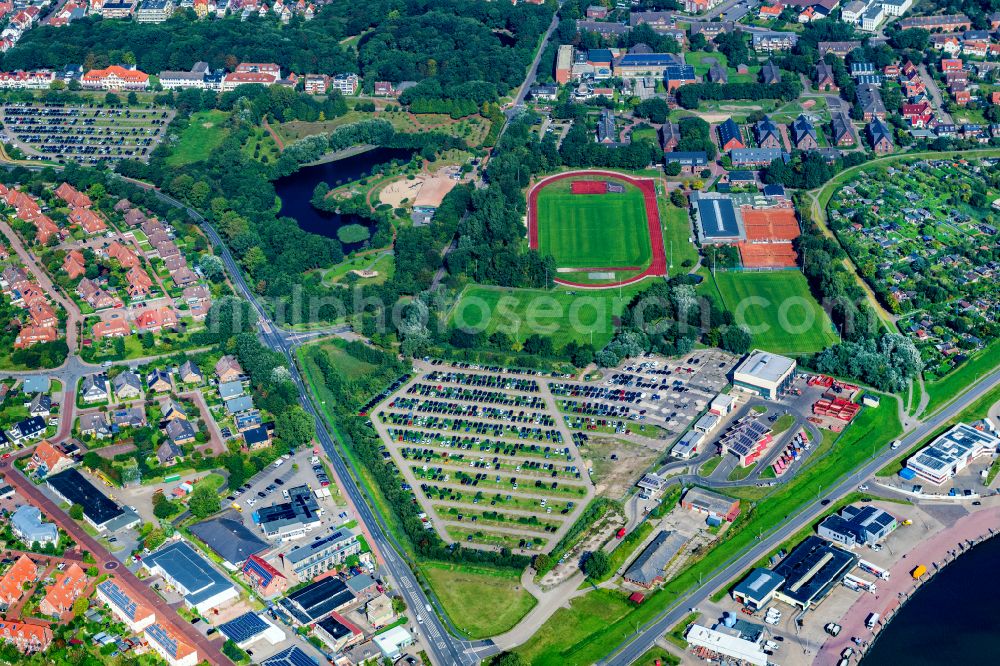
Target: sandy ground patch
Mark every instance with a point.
(394, 193)
(435, 189)
(614, 476)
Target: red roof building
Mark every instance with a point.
(13, 582)
(60, 596)
(73, 196)
(25, 637)
(33, 335)
(115, 77)
(139, 283)
(153, 320)
(88, 220)
(125, 257)
(74, 264)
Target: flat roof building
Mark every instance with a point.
(202, 586)
(765, 374)
(688, 444)
(322, 553)
(392, 642)
(98, 510)
(249, 628)
(952, 452)
(756, 590)
(717, 219)
(857, 526)
(713, 504)
(292, 519)
(314, 602)
(648, 568)
(744, 651)
(811, 570)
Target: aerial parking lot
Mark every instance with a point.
(487, 455)
(84, 134)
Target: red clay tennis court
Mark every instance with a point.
(769, 235)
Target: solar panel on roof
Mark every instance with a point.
(158, 633)
(292, 656)
(244, 627)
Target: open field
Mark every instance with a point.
(563, 314)
(777, 307)
(202, 136)
(677, 239)
(951, 385)
(473, 129)
(480, 601)
(593, 230)
(599, 620)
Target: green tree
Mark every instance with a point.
(295, 427)
(76, 512)
(203, 502)
(597, 565)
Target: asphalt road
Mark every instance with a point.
(442, 646)
(645, 638)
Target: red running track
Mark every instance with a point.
(658, 267)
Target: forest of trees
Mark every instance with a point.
(457, 50)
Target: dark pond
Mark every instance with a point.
(296, 189)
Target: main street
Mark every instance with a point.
(638, 644)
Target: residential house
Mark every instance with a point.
(730, 136)
(125, 257)
(26, 638)
(153, 320)
(180, 432)
(159, 381)
(241, 404)
(770, 74)
(199, 300)
(131, 417)
(804, 134)
(94, 296)
(88, 220)
(880, 136)
(769, 12)
(124, 606)
(172, 410)
(229, 390)
(28, 525)
(824, 77)
(718, 74)
(769, 41)
(72, 196)
(676, 76)
(263, 578)
(47, 460)
(670, 135)
(127, 386)
(22, 573)
(870, 99)
(40, 405)
(74, 264)
(189, 373)
(95, 424)
(33, 335)
(767, 133)
(171, 647)
(139, 283)
(228, 369)
(43, 315)
(70, 584)
(169, 453)
(94, 388)
(256, 438)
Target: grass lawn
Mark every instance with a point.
(563, 314)
(955, 382)
(351, 367)
(593, 230)
(709, 466)
(480, 601)
(599, 621)
(677, 239)
(777, 307)
(202, 136)
(740, 473)
(657, 655)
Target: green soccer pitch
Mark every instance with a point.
(593, 231)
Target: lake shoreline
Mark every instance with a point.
(338, 155)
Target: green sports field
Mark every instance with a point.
(779, 304)
(564, 314)
(593, 230)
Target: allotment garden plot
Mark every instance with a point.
(487, 454)
(924, 235)
(84, 134)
